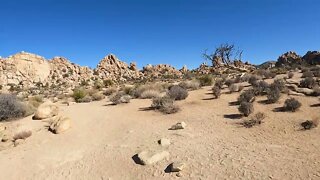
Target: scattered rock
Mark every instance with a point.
(46, 110)
(180, 125)
(177, 166)
(164, 142)
(148, 158)
(59, 124)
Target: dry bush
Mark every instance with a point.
(205, 80)
(108, 83)
(292, 105)
(216, 91)
(233, 88)
(22, 135)
(177, 93)
(160, 87)
(253, 79)
(219, 83)
(246, 108)
(308, 82)
(247, 96)
(35, 101)
(119, 98)
(309, 124)
(11, 107)
(229, 82)
(307, 73)
(279, 84)
(261, 88)
(79, 93)
(127, 89)
(190, 85)
(273, 95)
(255, 120)
(149, 94)
(290, 75)
(316, 90)
(110, 90)
(97, 96)
(85, 99)
(165, 105)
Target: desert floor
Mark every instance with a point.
(104, 138)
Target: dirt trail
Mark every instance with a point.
(104, 138)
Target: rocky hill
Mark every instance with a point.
(292, 58)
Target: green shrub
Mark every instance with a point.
(78, 94)
(205, 80)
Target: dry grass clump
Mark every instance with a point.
(190, 85)
(255, 120)
(110, 90)
(233, 88)
(246, 108)
(290, 75)
(165, 105)
(149, 94)
(247, 96)
(140, 89)
(309, 124)
(307, 73)
(22, 135)
(119, 98)
(261, 88)
(216, 90)
(205, 80)
(177, 93)
(253, 79)
(97, 96)
(85, 99)
(308, 82)
(219, 83)
(273, 95)
(279, 84)
(11, 108)
(292, 105)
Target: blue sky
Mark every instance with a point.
(157, 31)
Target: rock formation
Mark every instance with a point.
(288, 59)
(161, 71)
(312, 57)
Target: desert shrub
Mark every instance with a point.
(216, 91)
(149, 94)
(240, 87)
(85, 99)
(260, 88)
(97, 96)
(309, 124)
(290, 75)
(119, 98)
(22, 135)
(108, 82)
(316, 72)
(255, 120)
(245, 78)
(316, 90)
(292, 105)
(229, 82)
(205, 80)
(308, 82)
(98, 84)
(191, 85)
(165, 105)
(35, 101)
(219, 83)
(177, 93)
(307, 73)
(273, 95)
(160, 87)
(110, 90)
(233, 88)
(247, 96)
(11, 107)
(253, 79)
(78, 94)
(128, 89)
(279, 84)
(246, 108)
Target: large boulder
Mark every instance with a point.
(46, 110)
(60, 124)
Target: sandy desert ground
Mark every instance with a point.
(104, 138)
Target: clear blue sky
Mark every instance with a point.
(157, 31)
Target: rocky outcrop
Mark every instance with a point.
(288, 59)
(161, 71)
(312, 57)
(110, 67)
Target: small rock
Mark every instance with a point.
(164, 142)
(180, 125)
(60, 124)
(177, 166)
(179, 174)
(147, 157)
(46, 110)
(18, 142)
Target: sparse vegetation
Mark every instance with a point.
(190, 85)
(79, 94)
(149, 94)
(260, 88)
(306, 74)
(119, 97)
(110, 90)
(279, 84)
(253, 80)
(177, 93)
(216, 91)
(11, 108)
(247, 96)
(273, 95)
(233, 88)
(292, 105)
(255, 120)
(205, 80)
(308, 82)
(246, 108)
(165, 105)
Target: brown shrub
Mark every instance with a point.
(292, 105)
(246, 108)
